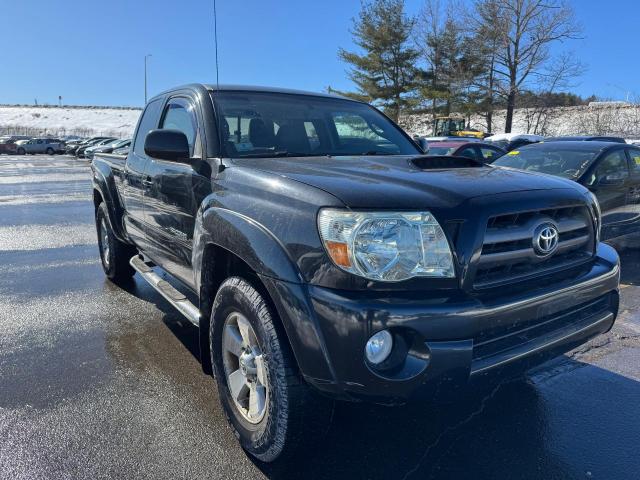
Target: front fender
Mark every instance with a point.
(246, 239)
(265, 254)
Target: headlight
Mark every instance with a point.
(386, 246)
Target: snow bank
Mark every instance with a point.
(618, 119)
(61, 121)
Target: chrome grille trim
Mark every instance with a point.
(508, 252)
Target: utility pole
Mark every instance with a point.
(145, 77)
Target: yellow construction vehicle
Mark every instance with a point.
(452, 126)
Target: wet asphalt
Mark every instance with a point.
(97, 381)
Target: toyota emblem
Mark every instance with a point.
(545, 239)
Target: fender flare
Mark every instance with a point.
(245, 238)
(269, 259)
(115, 210)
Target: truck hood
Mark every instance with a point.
(397, 182)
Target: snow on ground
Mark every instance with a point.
(60, 121)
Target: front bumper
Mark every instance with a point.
(447, 341)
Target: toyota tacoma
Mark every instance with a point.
(323, 256)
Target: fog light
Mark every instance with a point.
(379, 347)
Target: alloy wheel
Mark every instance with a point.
(245, 368)
(104, 242)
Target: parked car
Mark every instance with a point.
(88, 142)
(511, 141)
(585, 138)
(482, 151)
(7, 145)
(70, 144)
(610, 170)
(321, 251)
(97, 141)
(122, 150)
(106, 148)
(49, 146)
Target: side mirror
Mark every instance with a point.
(422, 143)
(611, 179)
(169, 145)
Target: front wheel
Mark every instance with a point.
(21, 151)
(114, 254)
(271, 410)
(49, 151)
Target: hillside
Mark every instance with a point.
(60, 121)
(617, 119)
(599, 119)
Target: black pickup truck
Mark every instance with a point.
(318, 250)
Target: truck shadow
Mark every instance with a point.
(629, 250)
(553, 426)
(630, 266)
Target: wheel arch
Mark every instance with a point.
(102, 193)
(217, 265)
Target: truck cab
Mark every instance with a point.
(452, 126)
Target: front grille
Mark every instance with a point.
(508, 254)
(493, 342)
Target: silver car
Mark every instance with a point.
(49, 146)
(105, 147)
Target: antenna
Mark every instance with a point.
(215, 35)
(221, 165)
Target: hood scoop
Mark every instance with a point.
(441, 162)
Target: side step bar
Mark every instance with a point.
(164, 288)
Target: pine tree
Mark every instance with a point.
(451, 58)
(385, 73)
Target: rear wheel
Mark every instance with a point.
(272, 412)
(21, 151)
(114, 254)
(50, 151)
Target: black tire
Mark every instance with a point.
(21, 151)
(50, 151)
(295, 416)
(114, 254)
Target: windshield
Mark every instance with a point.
(562, 162)
(262, 124)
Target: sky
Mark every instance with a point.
(92, 53)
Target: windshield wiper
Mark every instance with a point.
(375, 152)
(280, 153)
(286, 153)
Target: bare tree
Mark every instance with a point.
(558, 75)
(527, 29)
(486, 24)
(429, 39)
